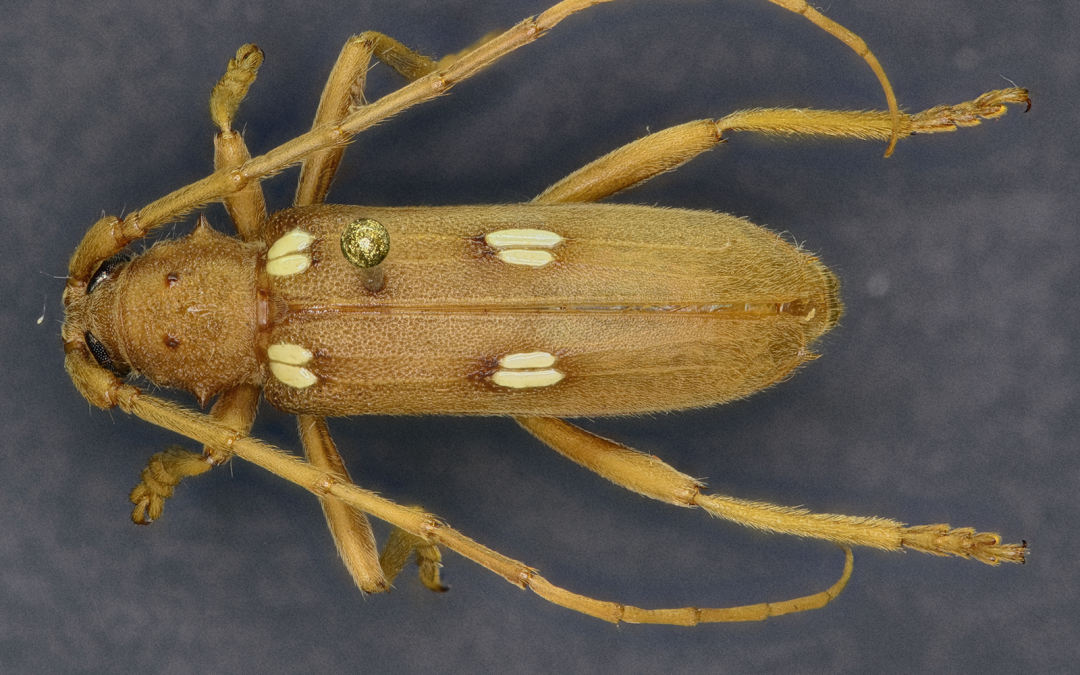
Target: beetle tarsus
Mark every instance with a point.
(963, 542)
(161, 475)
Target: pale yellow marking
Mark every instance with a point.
(288, 265)
(286, 360)
(517, 256)
(527, 238)
(527, 360)
(293, 241)
(290, 254)
(810, 315)
(294, 376)
(290, 354)
(526, 379)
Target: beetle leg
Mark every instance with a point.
(429, 529)
(235, 409)
(872, 124)
(108, 391)
(247, 208)
(400, 546)
(855, 43)
(633, 163)
(162, 473)
(109, 235)
(647, 475)
(667, 150)
(344, 91)
(350, 528)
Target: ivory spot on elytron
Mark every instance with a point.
(286, 363)
(527, 379)
(525, 247)
(527, 360)
(526, 257)
(522, 238)
(291, 254)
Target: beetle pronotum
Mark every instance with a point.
(555, 308)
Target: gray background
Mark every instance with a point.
(947, 394)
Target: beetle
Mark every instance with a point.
(556, 308)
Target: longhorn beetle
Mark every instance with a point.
(555, 308)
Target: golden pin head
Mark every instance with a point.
(365, 243)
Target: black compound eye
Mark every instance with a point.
(107, 269)
(101, 355)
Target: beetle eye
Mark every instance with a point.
(106, 270)
(101, 355)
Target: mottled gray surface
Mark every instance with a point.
(947, 395)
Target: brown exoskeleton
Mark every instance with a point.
(555, 308)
